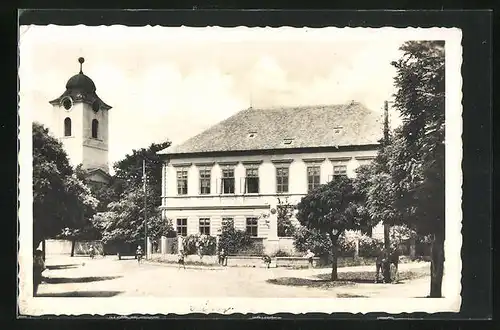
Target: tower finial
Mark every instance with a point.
(81, 60)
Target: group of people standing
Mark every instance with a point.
(221, 257)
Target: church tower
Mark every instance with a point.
(80, 121)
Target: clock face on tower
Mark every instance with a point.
(67, 103)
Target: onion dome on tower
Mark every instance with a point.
(80, 88)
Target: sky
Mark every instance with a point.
(167, 83)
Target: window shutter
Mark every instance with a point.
(218, 186)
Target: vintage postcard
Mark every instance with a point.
(239, 170)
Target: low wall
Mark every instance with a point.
(82, 247)
(295, 262)
(193, 259)
(58, 247)
(63, 247)
(237, 261)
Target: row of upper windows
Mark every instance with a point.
(204, 225)
(250, 184)
(95, 127)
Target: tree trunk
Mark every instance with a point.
(73, 243)
(412, 251)
(386, 266)
(44, 249)
(333, 238)
(437, 265)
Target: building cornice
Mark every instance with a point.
(314, 160)
(364, 157)
(340, 159)
(282, 151)
(204, 164)
(182, 164)
(252, 162)
(281, 161)
(216, 207)
(228, 163)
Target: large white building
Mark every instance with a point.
(239, 168)
(80, 122)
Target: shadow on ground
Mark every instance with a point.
(58, 280)
(52, 267)
(369, 277)
(296, 281)
(348, 295)
(348, 278)
(81, 294)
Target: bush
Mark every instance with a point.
(284, 214)
(199, 244)
(281, 253)
(233, 240)
(285, 228)
(370, 247)
(314, 240)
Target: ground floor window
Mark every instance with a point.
(182, 227)
(339, 170)
(205, 226)
(252, 226)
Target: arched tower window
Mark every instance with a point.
(67, 126)
(95, 128)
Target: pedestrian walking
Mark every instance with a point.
(138, 254)
(222, 257)
(180, 260)
(267, 261)
(91, 252)
(310, 256)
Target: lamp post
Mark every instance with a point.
(387, 227)
(144, 179)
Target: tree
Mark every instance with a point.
(284, 214)
(60, 199)
(419, 168)
(233, 240)
(124, 220)
(104, 193)
(129, 172)
(332, 208)
(312, 239)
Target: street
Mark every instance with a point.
(108, 277)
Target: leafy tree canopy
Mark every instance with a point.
(60, 199)
(124, 220)
(129, 171)
(332, 209)
(418, 166)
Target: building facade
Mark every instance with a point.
(242, 168)
(80, 120)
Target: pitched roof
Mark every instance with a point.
(98, 170)
(268, 128)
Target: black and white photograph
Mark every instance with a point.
(239, 170)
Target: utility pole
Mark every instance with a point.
(387, 243)
(144, 179)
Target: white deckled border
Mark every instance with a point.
(124, 306)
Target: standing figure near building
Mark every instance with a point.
(310, 256)
(222, 257)
(180, 260)
(138, 254)
(91, 252)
